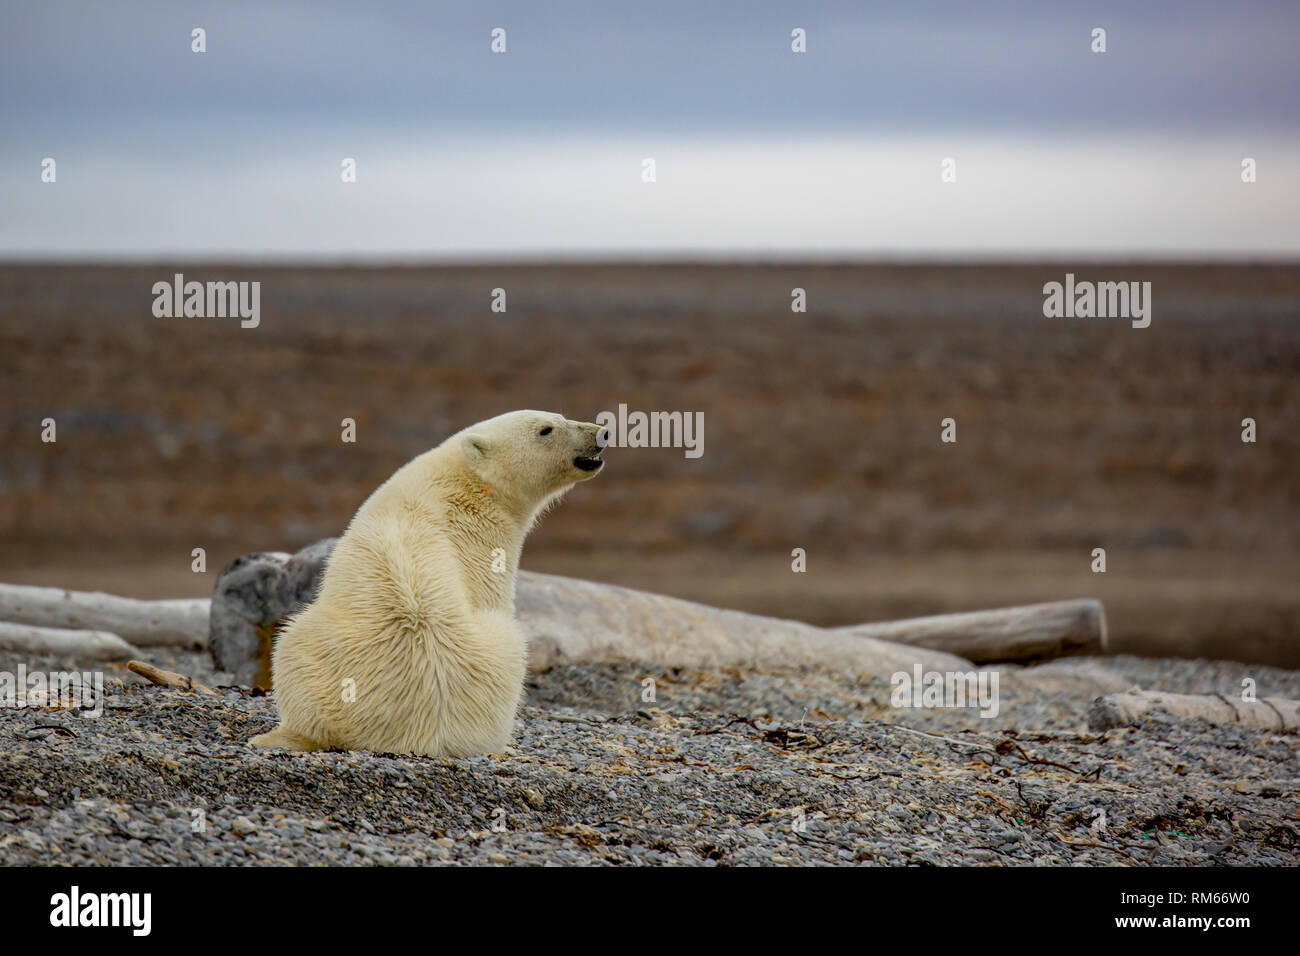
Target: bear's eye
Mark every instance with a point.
(545, 431)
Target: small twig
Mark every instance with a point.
(170, 679)
(726, 728)
(570, 719)
(1008, 745)
(199, 753)
(29, 733)
(947, 740)
(1092, 843)
(119, 830)
(973, 747)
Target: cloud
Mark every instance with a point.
(536, 151)
(509, 195)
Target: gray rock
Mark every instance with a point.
(1104, 714)
(302, 574)
(245, 590)
(253, 594)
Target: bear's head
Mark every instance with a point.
(533, 456)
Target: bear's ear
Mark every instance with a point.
(475, 447)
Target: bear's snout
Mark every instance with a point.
(589, 458)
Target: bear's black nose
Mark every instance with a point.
(602, 439)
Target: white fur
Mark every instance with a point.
(410, 608)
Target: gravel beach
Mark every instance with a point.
(721, 768)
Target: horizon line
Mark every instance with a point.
(654, 259)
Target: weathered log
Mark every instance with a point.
(143, 623)
(582, 621)
(1029, 633)
(1267, 713)
(63, 642)
(573, 621)
(164, 678)
(566, 620)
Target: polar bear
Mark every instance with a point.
(411, 645)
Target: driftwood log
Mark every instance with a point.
(1267, 713)
(1033, 632)
(569, 620)
(171, 679)
(573, 621)
(182, 623)
(62, 642)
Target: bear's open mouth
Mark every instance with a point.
(587, 464)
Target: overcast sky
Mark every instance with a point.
(463, 153)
